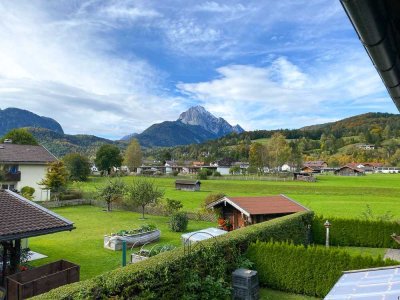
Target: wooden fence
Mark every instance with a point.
(151, 210)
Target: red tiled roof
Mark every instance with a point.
(25, 154)
(278, 204)
(20, 218)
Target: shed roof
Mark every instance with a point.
(21, 218)
(13, 153)
(187, 182)
(358, 170)
(264, 205)
(377, 24)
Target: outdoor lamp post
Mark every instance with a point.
(327, 226)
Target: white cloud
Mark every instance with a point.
(62, 69)
(282, 94)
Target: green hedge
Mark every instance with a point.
(356, 232)
(309, 270)
(178, 275)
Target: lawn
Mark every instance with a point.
(268, 294)
(330, 195)
(84, 245)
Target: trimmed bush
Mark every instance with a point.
(305, 270)
(176, 274)
(27, 192)
(356, 232)
(179, 222)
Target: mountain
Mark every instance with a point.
(11, 118)
(171, 133)
(197, 115)
(60, 144)
(193, 126)
(129, 137)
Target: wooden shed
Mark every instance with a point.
(243, 211)
(349, 171)
(188, 185)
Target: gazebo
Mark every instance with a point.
(19, 219)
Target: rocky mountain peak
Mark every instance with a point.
(198, 115)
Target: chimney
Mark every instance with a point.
(7, 141)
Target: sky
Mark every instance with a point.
(111, 68)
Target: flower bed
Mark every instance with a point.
(135, 237)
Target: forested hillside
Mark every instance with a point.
(337, 142)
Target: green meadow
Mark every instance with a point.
(330, 196)
(84, 245)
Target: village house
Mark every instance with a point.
(223, 165)
(316, 166)
(243, 211)
(349, 170)
(366, 147)
(187, 185)
(287, 168)
(368, 167)
(25, 165)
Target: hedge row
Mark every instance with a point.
(179, 275)
(309, 270)
(356, 232)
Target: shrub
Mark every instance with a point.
(305, 270)
(71, 195)
(27, 192)
(165, 276)
(356, 232)
(216, 174)
(203, 174)
(172, 206)
(175, 173)
(179, 222)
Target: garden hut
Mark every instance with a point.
(349, 171)
(241, 211)
(20, 219)
(187, 185)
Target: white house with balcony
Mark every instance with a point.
(25, 165)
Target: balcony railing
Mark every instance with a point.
(12, 176)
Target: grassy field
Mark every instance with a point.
(84, 245)
(329, 196)
(268, 294)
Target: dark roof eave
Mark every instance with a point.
(28, 234)
(372, 20)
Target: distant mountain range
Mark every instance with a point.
(11, 118)
(193, 126)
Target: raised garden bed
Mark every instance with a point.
(144, 254)
(136, 237)
(42, 279)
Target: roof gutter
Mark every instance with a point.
(372, 21)
(18, 236)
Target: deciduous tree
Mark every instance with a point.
(20, 136)
(77, 165)
(142, 192)
(111, 191)
(55, 179)
(108, 156)
(133, 155)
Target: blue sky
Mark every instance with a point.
(111, 68)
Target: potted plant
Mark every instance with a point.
(228, 225)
